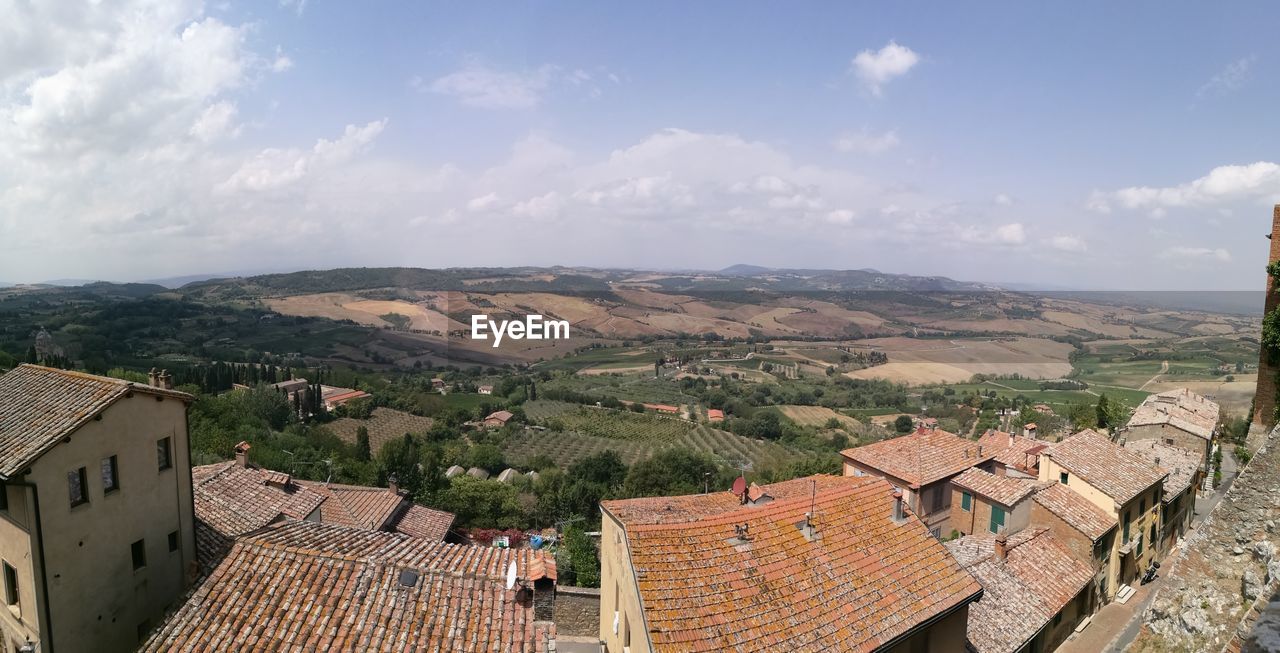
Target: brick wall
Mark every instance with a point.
(1080, 546)
(1264, 402)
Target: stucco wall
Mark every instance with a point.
(619, 596)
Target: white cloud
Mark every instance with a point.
(1229, 79)
(1221, 184)
(1002, 200)
(282, 62)
(867, 142)
(273, 168)
(1011, 234)
(216, 122)
(1065, 243)
(479, 86)
(875, 69)
(1196, 254)
(482, 203)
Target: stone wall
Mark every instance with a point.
(1264, 401)
(577, 611)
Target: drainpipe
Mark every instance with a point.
(46, 643)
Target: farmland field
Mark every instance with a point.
(385, 425)
(921, 362)
(815, 415)
(576, 431)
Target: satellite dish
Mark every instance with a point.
(739, 485)
(511, 575)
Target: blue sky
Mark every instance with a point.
(1084, 145)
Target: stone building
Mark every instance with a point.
(982, 502)
(1179, 418)
(1264, 400)
(97, 534)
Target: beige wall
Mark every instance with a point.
(978, 518)
(1118, 569)
(96, 599)
(619, 596)
(920, 500)
(946, 636)
(17, 541)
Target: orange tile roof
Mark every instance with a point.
(862, 582)
(1016, 451)
(1181, 463)
(40, 405)
(1113, 470)
(1004, 490)
(304, 587)
(501, 416)
(420, 521)
(1077, 511)
(355, 505)
(1023, 592)
(715, 414)
(920, 458)
(691, 507)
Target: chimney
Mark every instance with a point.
(166, 380)
(1002, 546)
(898, 514)
(153, 378)
(979, 451)
(242, 455)
(393, 483)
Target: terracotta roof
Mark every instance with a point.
(1077, 511)
(305, 587)
(715, 414)
(232, 500)
(1181, 463)
(691, 507)
(1004, 490)
(1023, 592)
(1113, 470)
(501, 415)
(1019, 452)
(41, 405)
(860, 583)
(920, 458)
(355, 505)
(1180, 408)
(423, 522)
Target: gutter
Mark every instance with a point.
(46, 644)
(889, 645)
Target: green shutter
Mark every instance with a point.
(997, 518)
(966, 501)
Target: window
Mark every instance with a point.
(139, 551)
(1142, 506)
(936, 532)
(10, 585)
(966, 501)
(163, 459)
(1126, 529)
(936, 503)
(4, 496)
(1151, 535)
(1062, 478)
(76, 487)
(173, 541)
(997, 519)
(110, 475)
(143, 629)
(1138, 548)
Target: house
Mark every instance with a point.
(1178, 503)
(982, 502)
(1031, 430)
(1125, 486)
(1034, 591)
(715, 415)
(662, 408)
(805, 565)
(927, 423)
(97, 534)
(485, 389)
(921, 464)
(1180, 418)
(1043, 409)
(438, 384)
(333, 396)
(236, 497)
(497, 419)
(302, 585)
(1084, 528)
(1015, 455)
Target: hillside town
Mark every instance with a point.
(998, 544)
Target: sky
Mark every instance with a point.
(1085, 145)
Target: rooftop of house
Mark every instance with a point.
(1004, 490)
(1078, 512)
(1181, 463)
(41, 405)
(922, 457)
(501, 416)
(1011, 450)
(356, 505)
(1180, 408)
(315, 587)
(1115, 471)
(1034, 581)
(729, 576)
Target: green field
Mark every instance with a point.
(632, 387)
(576, 431)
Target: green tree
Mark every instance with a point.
(483, 504)
(583, 561)
(903, 424)
(670, 472)
(363, 453)
(401, 458)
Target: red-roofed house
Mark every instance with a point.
(814, 564)
(921, 464)
(1015, 455)
(715, 415)
(982, 502)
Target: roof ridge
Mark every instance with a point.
(772, 508)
